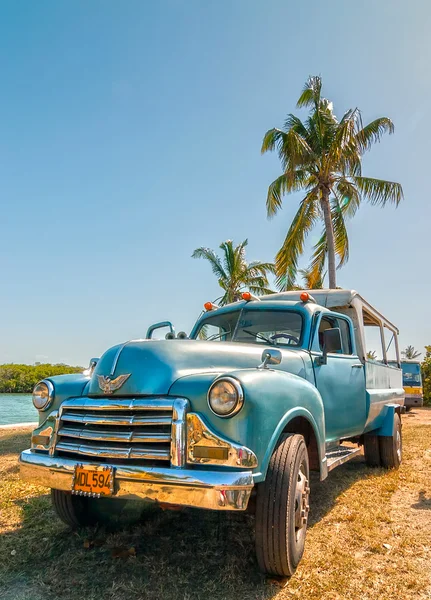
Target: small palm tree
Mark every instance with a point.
(410, 353)
(322, 157)
(371, 355)
(233, 272)
(312, 278)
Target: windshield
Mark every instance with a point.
(411, 374)
(274, 327)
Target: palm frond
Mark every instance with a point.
(311, 93)
(228, 257)
(343, 151)
(313, 279)
(348, 196)
(261, 267)
(293, 150)
(318, 257)
(379, 191)
(291, 181)
(286, 261)
(340, 233)
(295, 123)
(372, 133)
(260, 291)
(212, 258)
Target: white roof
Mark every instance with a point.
(327, 298)
(333, 299)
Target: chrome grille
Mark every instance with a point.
(121, 429)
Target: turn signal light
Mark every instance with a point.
(210, 452)
(210, 306)
(305, 296)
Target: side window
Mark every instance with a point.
(346, 339)
(325, 323)
(343, 326)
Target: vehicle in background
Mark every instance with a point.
(263, 391)
(412, 383)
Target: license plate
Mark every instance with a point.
(93, 481)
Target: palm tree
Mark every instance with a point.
(410, 353)
(234, 273)
(322, 157)
(312, 278)
(371, 355)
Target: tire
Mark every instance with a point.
(282, 508)
(391, 446)
(79, 511)
(372, 450)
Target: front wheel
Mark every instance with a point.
(282, 508)
(80, 511)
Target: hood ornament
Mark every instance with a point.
(108, 385)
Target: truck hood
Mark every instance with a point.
(152, 366)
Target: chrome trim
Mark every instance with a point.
(112, 420)
(115, 403)
(214, 490)
(85, 430)
(51, 395)
(47, 428)
(106, 435)
(199, 434)
(128, 452)
(239, 391)
(179, 432)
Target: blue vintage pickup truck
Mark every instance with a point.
(261, 392)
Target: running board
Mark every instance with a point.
(335, 458)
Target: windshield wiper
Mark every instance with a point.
(215, 336)
(259, 336)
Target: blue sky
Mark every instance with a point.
(130, 134)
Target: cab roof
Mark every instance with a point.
(336, 299)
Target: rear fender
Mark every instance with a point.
(387, 427)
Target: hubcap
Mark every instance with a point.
(302, 507)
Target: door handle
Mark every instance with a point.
(357, 366)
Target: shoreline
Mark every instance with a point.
(19, 425)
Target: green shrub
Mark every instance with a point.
(21, 379)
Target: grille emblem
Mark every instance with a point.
(108, 385)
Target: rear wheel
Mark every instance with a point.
(80, 511)
(391, 446)
(282, 508)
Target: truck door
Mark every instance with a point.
(341, 381)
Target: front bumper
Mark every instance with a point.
(210, 489)
(413, 401)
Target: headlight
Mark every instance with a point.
(43, 395)
(225, 397)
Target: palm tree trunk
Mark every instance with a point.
(326, 209)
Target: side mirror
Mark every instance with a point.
(331, 343)
(270, 356)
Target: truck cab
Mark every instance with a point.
(262, 391)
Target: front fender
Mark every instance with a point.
(271, 400)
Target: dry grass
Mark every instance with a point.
(369, 538)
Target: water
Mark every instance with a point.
(16, 408)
